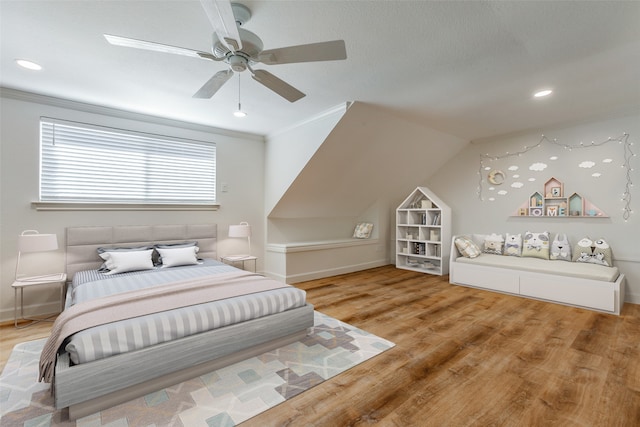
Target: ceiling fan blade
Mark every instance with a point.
(221, 17)
(213, 84)
(323, 51)
(157, 47)
(280, 87)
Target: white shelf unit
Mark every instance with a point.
(423, 233)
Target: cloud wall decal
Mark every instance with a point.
(538, 167)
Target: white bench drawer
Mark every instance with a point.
(486, 277)
(580, 292)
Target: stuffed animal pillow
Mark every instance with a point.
(593, 251)
(560, 248)
(536, 245)
(493, 244)
(513, 245)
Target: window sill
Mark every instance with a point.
(77, 206)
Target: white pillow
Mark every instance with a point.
(173, 257)
(121, 262)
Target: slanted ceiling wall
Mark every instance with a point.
(368, 162)
(369, 154)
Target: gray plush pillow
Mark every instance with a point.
(175, 245)
(560, 248)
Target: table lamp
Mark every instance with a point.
(241, 230)
(32, 241)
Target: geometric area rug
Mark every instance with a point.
(221, 398)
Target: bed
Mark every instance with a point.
(87, 386)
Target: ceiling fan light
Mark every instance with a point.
(29, 65)
(543, 93)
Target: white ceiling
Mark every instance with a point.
(468, 68)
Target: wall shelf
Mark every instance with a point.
(553, 202)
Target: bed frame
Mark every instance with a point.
(90, 387)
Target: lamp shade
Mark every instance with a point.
(32, 241)
(240, 230)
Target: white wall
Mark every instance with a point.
(457, 183)
(240, 164)
(289, 150)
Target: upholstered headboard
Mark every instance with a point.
(82, 242)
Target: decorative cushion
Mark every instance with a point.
(593, 251)
(513, 245)
(467, 247)
(123, 261)
(156, 255)
(536, 245)
(173, 257)
(102, 250)
(560, 248)
(493, 244)
(363, 230)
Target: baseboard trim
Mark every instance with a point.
(632, 298)
(32, 310)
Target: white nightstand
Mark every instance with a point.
(28, 282)
(236, 259)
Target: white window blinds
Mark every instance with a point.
(85, 163)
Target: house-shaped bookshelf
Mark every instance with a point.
(553, 202)
(423, 233)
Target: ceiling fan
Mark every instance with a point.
(241, 50)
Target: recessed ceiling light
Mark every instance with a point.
(543, 93)
(29, 65)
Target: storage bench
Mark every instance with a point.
(577, 284)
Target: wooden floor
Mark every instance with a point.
(463, 357)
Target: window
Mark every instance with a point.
(91, 164)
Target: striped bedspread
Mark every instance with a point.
(140, 332)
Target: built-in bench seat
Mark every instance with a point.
(537, 265)
(319, 245)
(578, 284)
(294, 262)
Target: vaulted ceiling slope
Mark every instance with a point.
(370, 155)
(467, 68)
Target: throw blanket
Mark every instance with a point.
(147, 301)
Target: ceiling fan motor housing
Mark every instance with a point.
(251, 46)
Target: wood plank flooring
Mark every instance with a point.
(463, 357)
